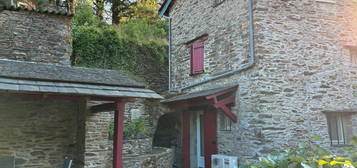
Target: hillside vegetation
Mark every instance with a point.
(137, 44)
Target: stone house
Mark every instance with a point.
(251, 76)
(50, 110)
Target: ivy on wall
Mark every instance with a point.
(133, 47)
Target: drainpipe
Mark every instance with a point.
(251, 55)
(170, 46)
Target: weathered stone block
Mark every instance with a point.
(36, 37)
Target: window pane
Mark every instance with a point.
(333, 127)
(347, 123)
(340, 128)
(225, 123)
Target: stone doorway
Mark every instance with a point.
(168, 135)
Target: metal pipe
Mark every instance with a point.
(170, 47)
(251, 59)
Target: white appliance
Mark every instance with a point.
(223, 161)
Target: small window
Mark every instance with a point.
(225, 123)
(340, 128)
(197, 57)
(353, 53)
(353, 56)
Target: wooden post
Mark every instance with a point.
(210, 136)
(118, 134)
(186, 139)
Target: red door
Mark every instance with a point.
(186, 139)
(210, 136)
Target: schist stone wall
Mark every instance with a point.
(36, 37)
(40, 132)
(138, 153)
(99, 148)
(303, 68)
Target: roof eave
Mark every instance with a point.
(164, 8)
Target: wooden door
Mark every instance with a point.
(210, 136)
(186, 139)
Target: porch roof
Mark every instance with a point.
(209, 97)
(19, 76)
(198, 94)
(164, 7)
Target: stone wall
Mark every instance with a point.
(99, 147)
(302, 70)
(159, 158)
(40, 132)
(36, 37)
(97, 144)
(149, 68)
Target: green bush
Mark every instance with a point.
(134, 130)
(120, 47)
(305, 155)
(102, 48)
(143, 31)
(85, 16)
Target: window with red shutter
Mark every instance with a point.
(197, 57)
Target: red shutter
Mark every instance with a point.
(197, 57)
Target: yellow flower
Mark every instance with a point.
(322, 162)
(336, 162)
(340, 158)
(327, 157)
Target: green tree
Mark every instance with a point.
(85, 16)
(145, 9)
(120, 9)
(99, 8)
(135, 45)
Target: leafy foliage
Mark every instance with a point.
(120, 9)
(134, 130)
(352, 149)
(119, 47)
(305, 155)
(102, 48)
(145, 9)
(85, 16)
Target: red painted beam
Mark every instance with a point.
(103, 107)
(229, 113)
(186, 139)
(119, 133)
(193, 103)
(224, 102)
(223, 105)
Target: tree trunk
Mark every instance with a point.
(115, 12)
(99, 8)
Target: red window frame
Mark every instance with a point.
(197, 57)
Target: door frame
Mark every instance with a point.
(200, 159)
(210, 136)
